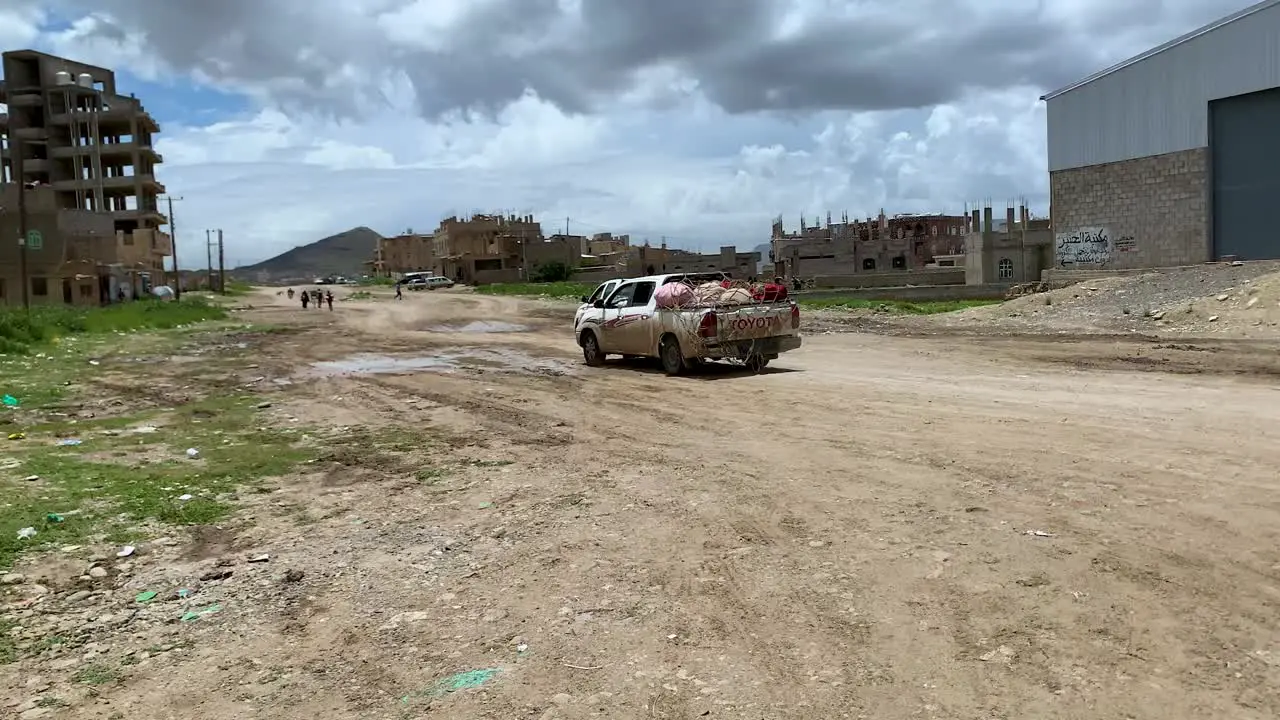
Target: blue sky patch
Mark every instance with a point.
(182, 102)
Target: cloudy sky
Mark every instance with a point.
(698, 120)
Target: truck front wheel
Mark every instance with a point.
(672, 358)
(591, 350)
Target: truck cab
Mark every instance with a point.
(601, 292)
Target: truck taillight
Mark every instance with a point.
(707, 328)
(795, 317)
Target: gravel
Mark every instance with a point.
(1120, 304)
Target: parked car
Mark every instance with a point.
(425, 281)
(629, 322)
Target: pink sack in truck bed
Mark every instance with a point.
(673, 295)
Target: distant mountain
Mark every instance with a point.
(341, 254)
(763, 249)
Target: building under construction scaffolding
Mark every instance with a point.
(87, 152)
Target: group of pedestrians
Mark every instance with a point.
(315, 296)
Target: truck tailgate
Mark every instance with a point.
(754, 321)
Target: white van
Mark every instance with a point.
(425, 281)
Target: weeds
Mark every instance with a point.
(8, 650)
(905, 307)
(576, 290)
(556, 290)
(21, 331)
(96, 675)
(430, 476)
(236, 288)
(110, 498)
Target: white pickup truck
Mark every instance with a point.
(629, 322)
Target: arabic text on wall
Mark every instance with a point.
(1087, 247)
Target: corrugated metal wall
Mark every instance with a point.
(1160, 104)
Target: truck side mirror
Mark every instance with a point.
(599, 304)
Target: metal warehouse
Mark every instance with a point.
(1172, 157)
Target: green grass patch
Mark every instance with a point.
(79, 498)
(555, 290)
(21, 332)
(96, 674)
(8, 648)
(905, 307)
(430, 475)
(359, 295)
(490, 463)
(236, 288)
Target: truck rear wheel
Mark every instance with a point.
(672, 358)
(591, 350)
(757, 363)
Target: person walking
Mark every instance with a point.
(399, 294)
(306, 297)
(328, 299)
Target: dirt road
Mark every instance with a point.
(879, 527)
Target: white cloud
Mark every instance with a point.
(336, 137)
(273, 182)
(20, 26)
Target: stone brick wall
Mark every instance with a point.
(1148, 212)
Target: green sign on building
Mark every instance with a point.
(35, 241)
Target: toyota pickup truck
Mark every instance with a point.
(629, 322)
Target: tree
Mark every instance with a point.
(551, 272)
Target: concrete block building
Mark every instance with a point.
(1170, 158)
(1015, 251)
(483, 248)
(84, 154)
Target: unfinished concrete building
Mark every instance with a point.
(1016, 250)
(647, 260)
(483, 248)
(883, 244)
(87, 149)
(410, 252)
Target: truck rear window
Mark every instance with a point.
(644, 291)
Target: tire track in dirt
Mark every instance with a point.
(843, 539)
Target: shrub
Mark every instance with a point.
(552, 272)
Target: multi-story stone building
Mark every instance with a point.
(410, 252)
(82, 148)
(483, 248)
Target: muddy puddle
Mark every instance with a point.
(491, 360)
(481, 326)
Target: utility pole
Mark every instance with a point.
(222, 266)
(524, 273)
(566, 227)
(173, 242)
(208, 252)
(18, 150)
